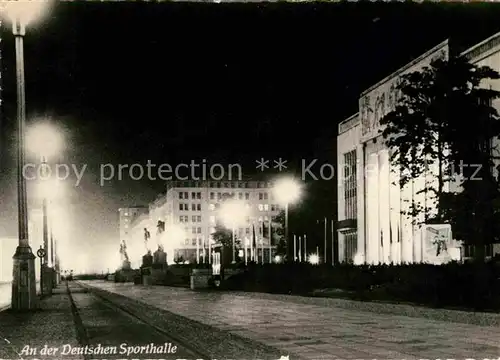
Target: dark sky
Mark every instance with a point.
(173, 82)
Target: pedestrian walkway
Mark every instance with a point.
(52, 326)
(316, 331)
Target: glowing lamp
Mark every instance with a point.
(25, 11)
(287, 191)
(233, 213)
(43, 139)
(314, 259)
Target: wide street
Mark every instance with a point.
(317, 330)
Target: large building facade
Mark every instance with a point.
(192, 209)
(126, 217)
(371, 228)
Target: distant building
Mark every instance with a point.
(191, 210)
(370, 227)
(127, 216)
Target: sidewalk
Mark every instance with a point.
(52, 325)
(320, 330)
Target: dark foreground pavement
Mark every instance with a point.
(52, 326)
(76, 323)
(317, 328)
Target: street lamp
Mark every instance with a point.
(233, 214)
(314, 259)
(50, 190)
(24, 282)
(287, 191)
(44, 140)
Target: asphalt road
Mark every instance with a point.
(117, 335)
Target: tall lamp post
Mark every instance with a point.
(287, 191)
(44, 140)
(24, 281)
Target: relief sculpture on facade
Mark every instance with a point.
(379, 111)
(365, 116)
(391, 98)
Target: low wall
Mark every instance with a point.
(200, 278)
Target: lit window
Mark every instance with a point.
(211, 207)
(212, 219)
(126, 214)
(212, 230)
(260, 218)
(266, 218)
(266, 207)
(261, 207)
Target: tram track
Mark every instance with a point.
(146, 328)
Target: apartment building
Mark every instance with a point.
(192, 209)
(126, 217)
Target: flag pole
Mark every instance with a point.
(262, 244)
(300, 249)
(333, 245)
(305, 247)
(326, 227)
(294, 248)
(197, 251)
(270, 241)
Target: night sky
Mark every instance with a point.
(229, 83)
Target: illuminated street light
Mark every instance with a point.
(24, 282)
(314, 259)
(44, 140)
(26, 12)
(287, 191)
(234, 214)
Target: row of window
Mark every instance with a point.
(240, 231)
(184, 195)
(194, 195)
(350, 185)
(194, 218)
(261, 207)
(185, 207)
(193, 241)
(197, 207)
(213, 220)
